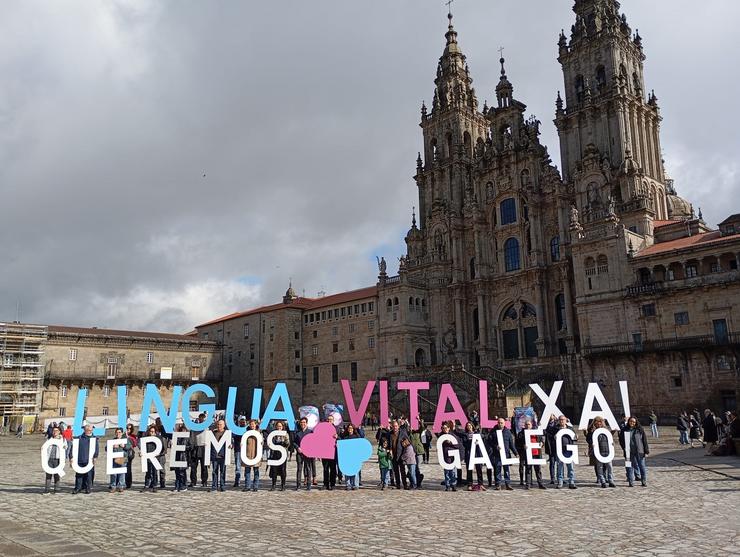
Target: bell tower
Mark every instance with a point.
(609, 127)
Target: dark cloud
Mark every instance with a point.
(303, 117)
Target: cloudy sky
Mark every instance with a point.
(166, 162)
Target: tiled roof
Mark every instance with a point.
(116, 333)
(303, 303)
(659, 223)
(698, 240)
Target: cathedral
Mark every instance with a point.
(516, 271)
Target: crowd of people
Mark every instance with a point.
(403, 452)
(712, 432)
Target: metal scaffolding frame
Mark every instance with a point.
(21, 372)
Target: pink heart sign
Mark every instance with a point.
(320, 443)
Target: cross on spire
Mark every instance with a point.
(449, 7)
(501, 51)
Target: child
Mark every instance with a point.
(384, 461)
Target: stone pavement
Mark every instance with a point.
(691, 507)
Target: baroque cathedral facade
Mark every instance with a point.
(514, 272)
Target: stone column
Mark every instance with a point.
(459, 323)
(483, 333)
(539, 306)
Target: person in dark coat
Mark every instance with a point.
(303, 463)
(509, 449)
(564, 468)
(400, 440)
(552, 456)
(711, 435)
(638, 450)
(150, 479)
(84, 456)
(530, 469)
(279, 471)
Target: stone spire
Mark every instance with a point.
(504, 89)
(453, 83)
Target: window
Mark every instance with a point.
(342, 311)
(335, 347)
(364, 307)
(112, 370)
(195, 372)
(602, 264)
(305, 319)
(8, 359)
(63, 392)
(315, 334)
(681, 318)
(370, 306)
(371, 342)
(723, 363)
(297, 335)
(334, 331)
(62, 411)
(336, 313)
(351, 327)
(511, 344)
(530, 342)
(349, 310)
(323, 315)
(560, 311)
(715, 268)
(395, 361)
(205, 335)
(73, 354)
(353, 371)
(351, 344)
(150, 357)
(315, 376)
(105, 411)
(637, 341)
(511, 255)
(648, 310)
(106, 391)
(335, 373)
(297, 354)
(315, 350)
(310, 318)
(691, 271)
(677, 382)
(371, 325)
(272, 337)
(395, 301)
(304, 381)
(555, 248)
(357, 309)
(670, 274)
(246, 330)
(508, 211)
(112, 359)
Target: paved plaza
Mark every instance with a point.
(691, 507)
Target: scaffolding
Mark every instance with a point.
(21, 373)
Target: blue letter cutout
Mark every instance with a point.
(230, 403)
(280, 394)
(208, 409)
(79, 412)
(151, 395)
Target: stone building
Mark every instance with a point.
(518, 272)
(309, 344)
(100, 360)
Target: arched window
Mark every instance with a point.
(423, 302)
(636, 83)
(560, 311)
(395, 301)
(511, 255)
(623, 76)
(472, 268)
(528, 311)
(601, 77)
(389, 305)
(589, 266)
(510, 313)
(602, 265)
(417, 302)
(508, 211)
(420, 358)
(580, 88)
(476, 328)
(468, 144)
(411, 303)
(555, 248)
